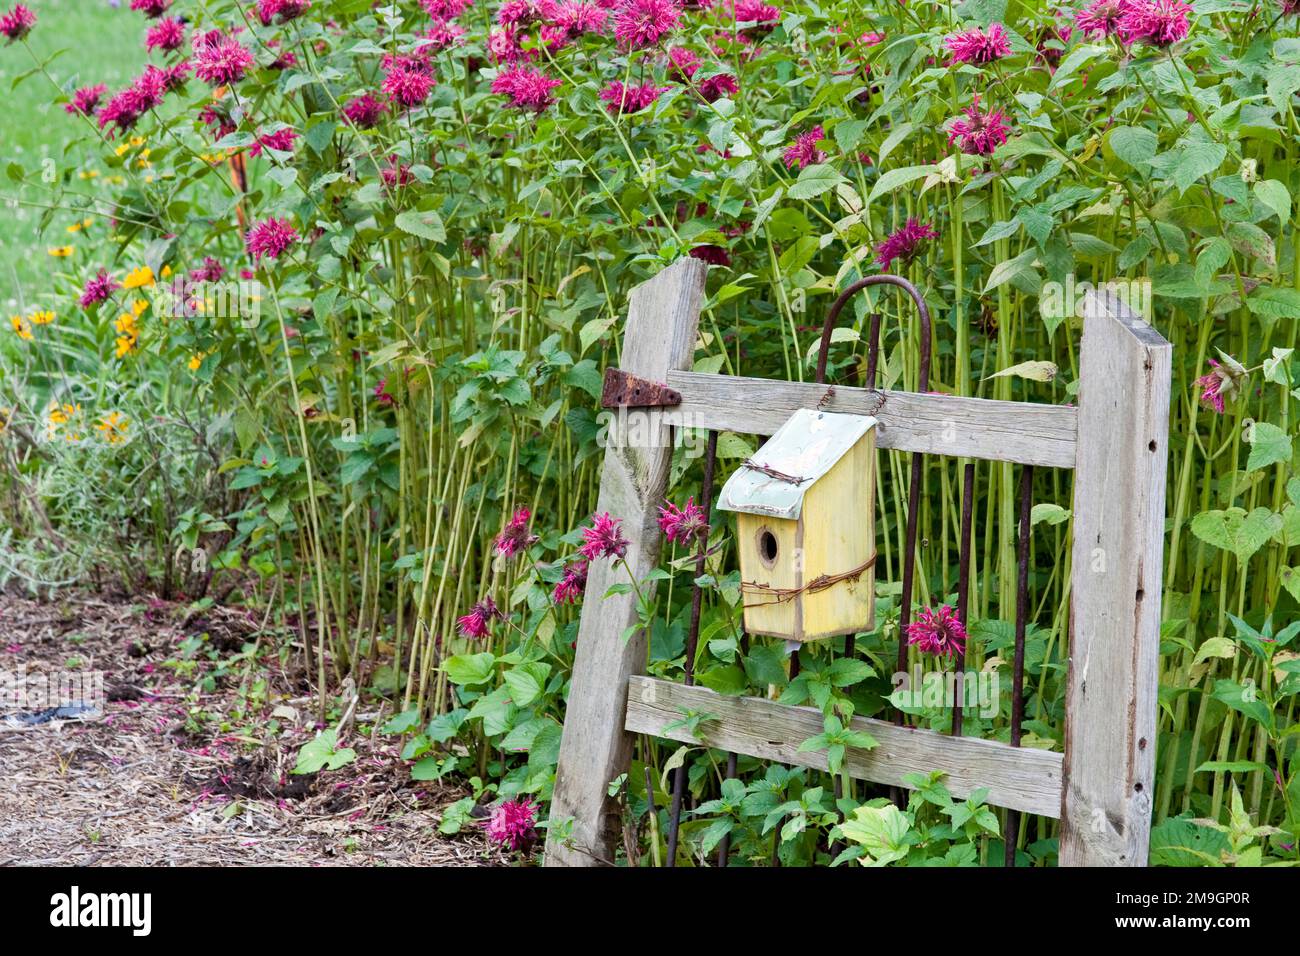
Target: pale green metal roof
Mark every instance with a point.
(805, 448)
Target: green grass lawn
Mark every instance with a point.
(102, 45)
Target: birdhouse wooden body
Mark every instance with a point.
(805, 527)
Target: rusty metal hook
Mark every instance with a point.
(923, 380)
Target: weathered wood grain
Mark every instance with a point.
(1023, 779)
(1024, 432)
(1119, 509)
(662, 322)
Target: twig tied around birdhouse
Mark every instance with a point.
(772, 472)
(819, 583)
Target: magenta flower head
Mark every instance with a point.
(86, 99)
(978, 46)
(270, 238)
(17, 23)
(1100, 18)
(580, 16)
(803, 151)
(621, 99)
(682, 64)
(978, 133)
(281, 141)
(604, 539)
(572, 585)
(757, 12)
(641, 23)
(211, 271)
(478, 622)
(281, 11)
(1158, 23)
(512, 824)
(514, 537)
(1224, 382)
(904, 244)
(99, 288)
(408, 82)
(715, 87)
(167, 34)
(151, 8)
(937, 632)
(365, 111)
(685, 524)
(528, 89)
(1290, 7)
(220, 60)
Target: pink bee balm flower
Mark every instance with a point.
(408, 82)
(524, 12)
(937, 632)
(1100, 18)
(978, 46)
(756, 11)
(1290, 7)
(978, 133)
(281, 11)
(211, 271)
(904, 244)
(1159, 23)
(580, 16)
(365, 111)
(478, 622)
(572, 584)
(442, 35)
(641, 23)
(99, 288)
(382, 395)
(871, 39)
(1211, 387)
(514, 537)
(511, 824)
(220, 60)
(173, 77)
(803, 151)
(716, 87)
(714, 255)
(167, 34)
(17, 23)
(445, 9)
(682, 525)
(151, 8)
(270, 238)
(682, 64)
(395, 173)
(621, 99)
(527, 89)
(603, 539)
(503, 45)
(86, 99)
(280, 141)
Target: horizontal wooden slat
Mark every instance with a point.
(1020, 778)
(1024, 432)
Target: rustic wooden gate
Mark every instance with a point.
(1116, 442)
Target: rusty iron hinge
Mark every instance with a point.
(624, 390)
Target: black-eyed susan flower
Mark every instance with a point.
(60, 252)
(139, 278)
(128, 333)
(22, 327)
(42, 317)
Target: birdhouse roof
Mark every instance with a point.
(775, 479)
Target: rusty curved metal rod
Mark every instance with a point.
(837, 306)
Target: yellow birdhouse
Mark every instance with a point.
(805, 527)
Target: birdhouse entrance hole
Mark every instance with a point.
(767, 546)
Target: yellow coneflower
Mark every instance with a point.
(88, 174)
(138, 278)
(113, 427)
(166, 272)
(122, 149)
(42, 317)
(143, 160)
(137, 141)
(59, 415)
(138, 306)
(21, 326)
(195, 361)
(60, 252)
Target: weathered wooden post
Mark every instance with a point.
(1115, 583)
(662, 320)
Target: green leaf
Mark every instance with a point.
(891, 180)
(1236, 531)
(426, 225)
(1181, 842)
(880, 831)
(1133, 144)
(1269, 445)
(469, 668)
(815, 180)
(320, 753)
(1197, 160)
(527, 682)
(1276, 197)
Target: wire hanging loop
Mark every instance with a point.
(923, 377)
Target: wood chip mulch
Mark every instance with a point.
(146, 784)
